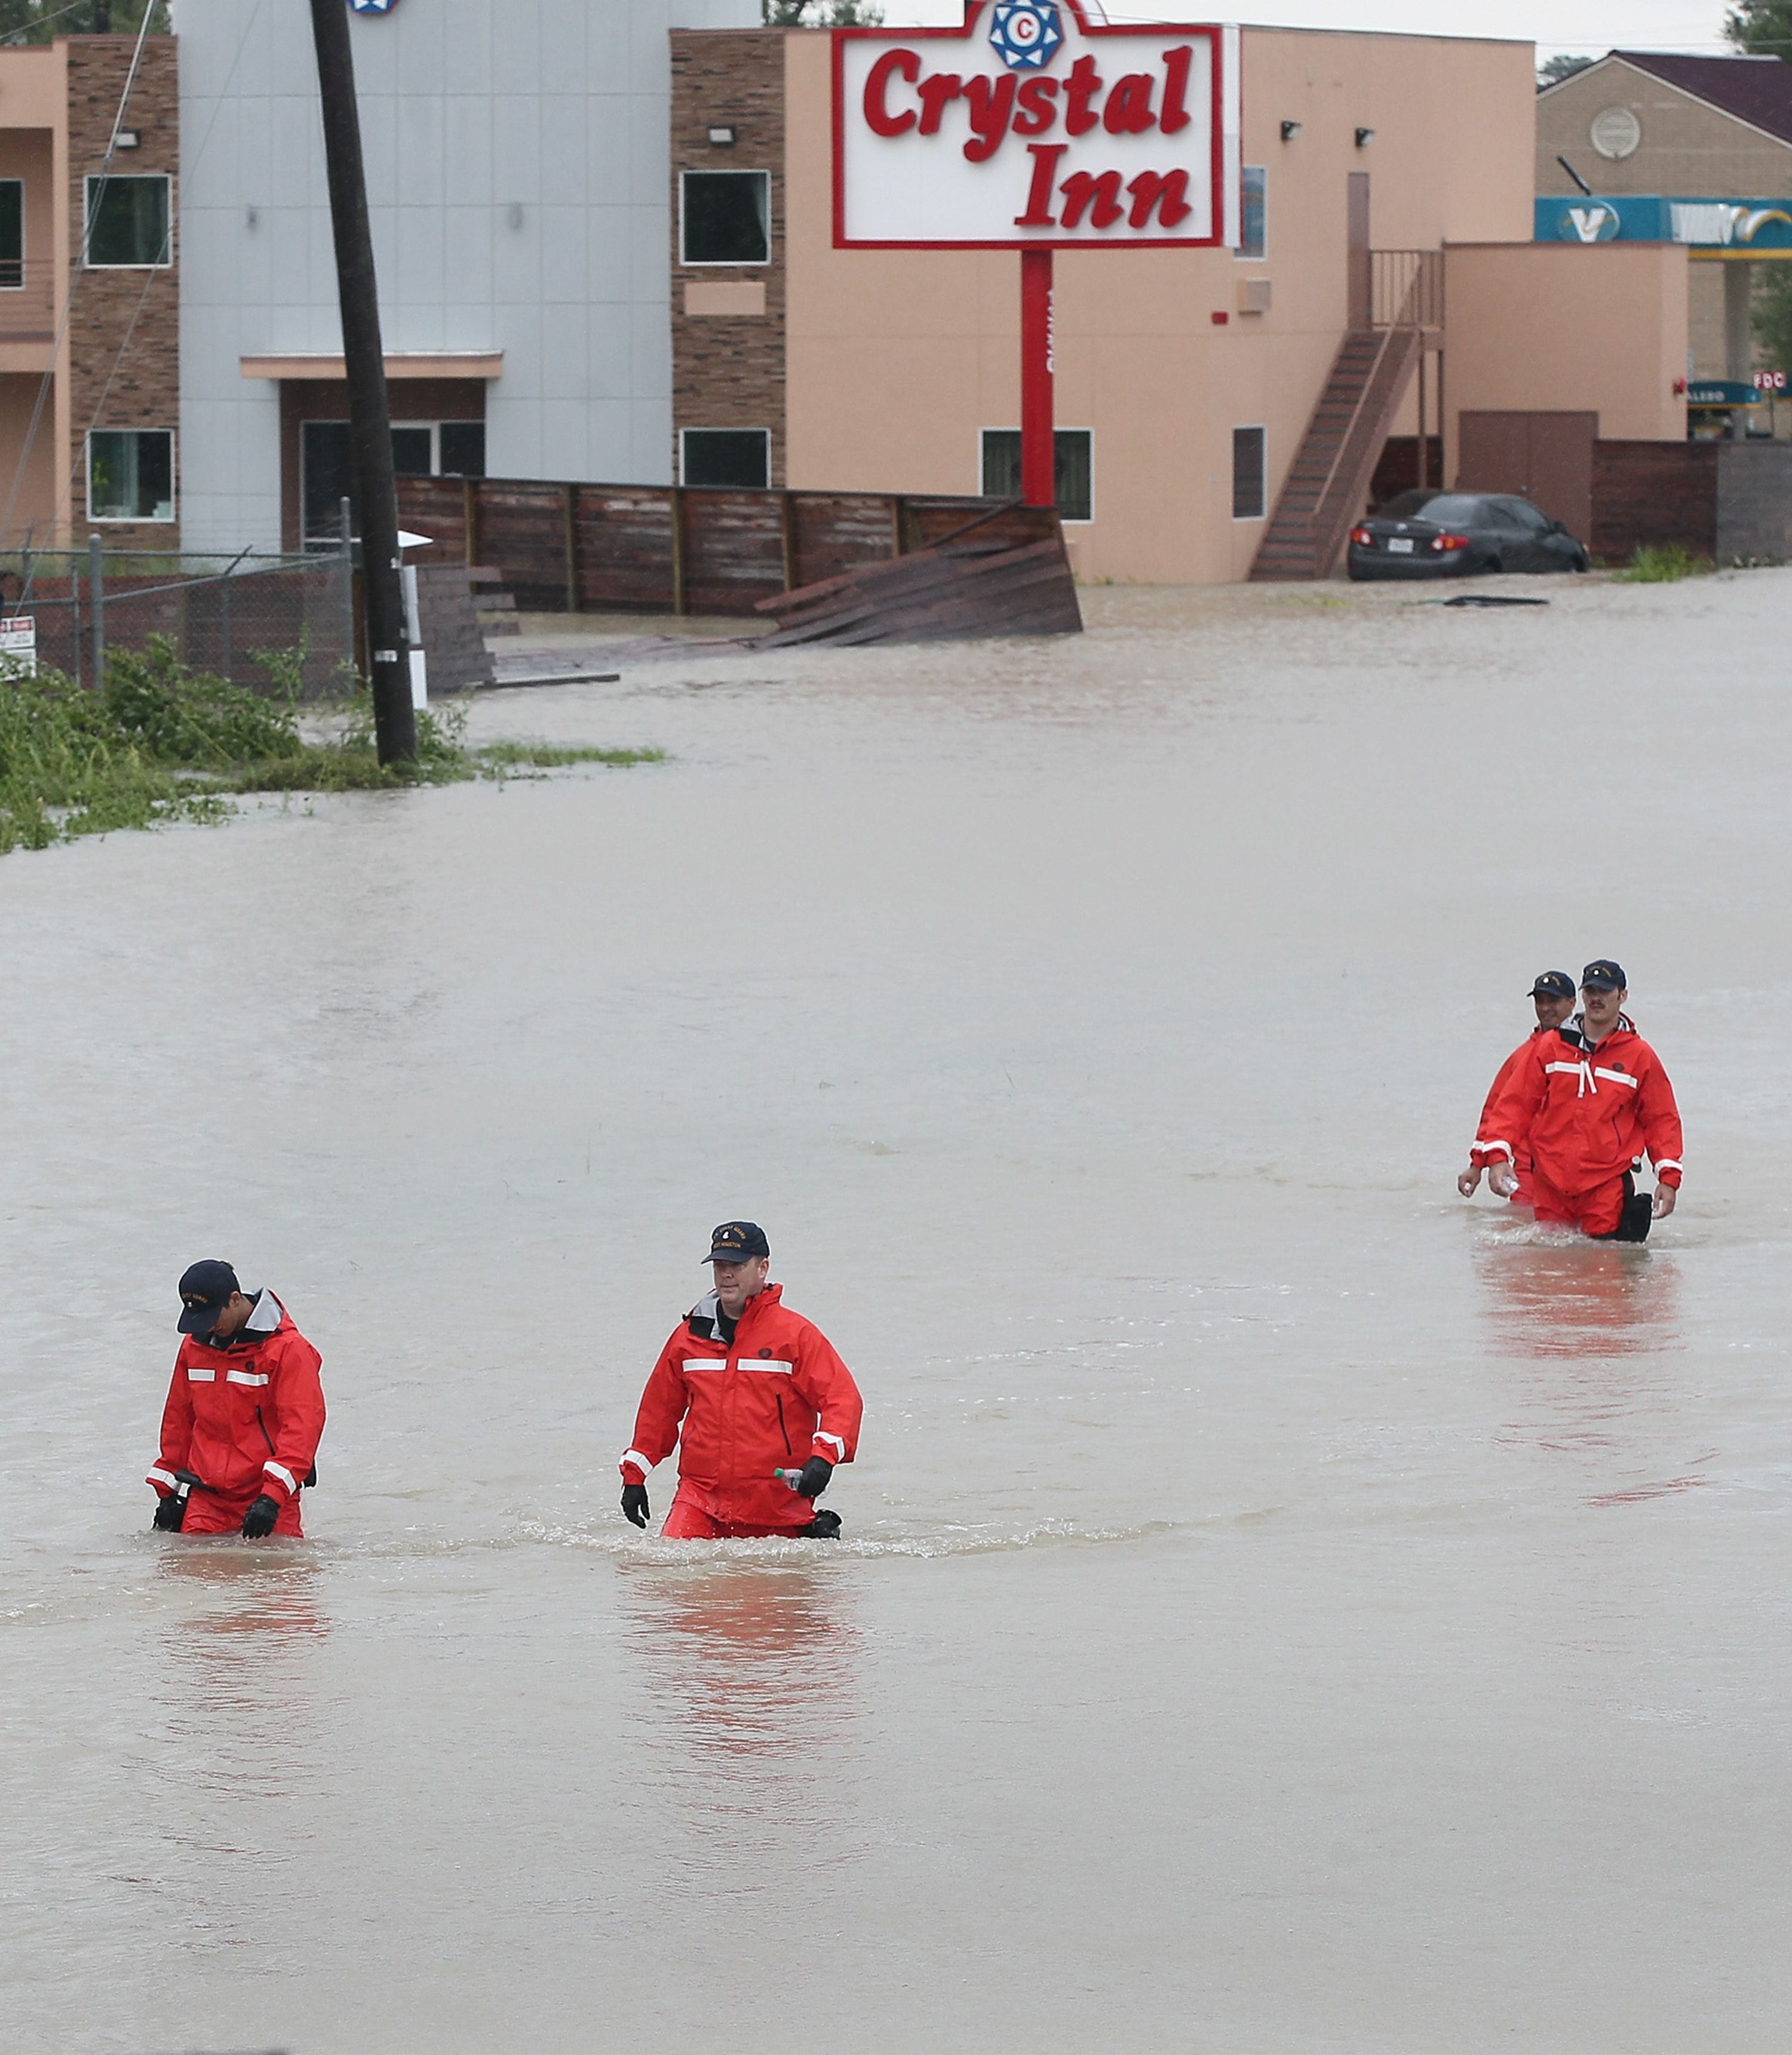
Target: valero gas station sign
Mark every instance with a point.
(1031, 127)
(1708, 227)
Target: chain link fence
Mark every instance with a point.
(223, 615)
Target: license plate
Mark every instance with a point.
(1401, 545)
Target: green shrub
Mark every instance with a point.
(161, 743)
(1652, 565)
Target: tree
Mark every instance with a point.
(43, 21)
(1559, 68)
(820, 13)
(1763, 28)
(1772, 314)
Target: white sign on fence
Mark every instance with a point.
(1033, 128)
(19, 643)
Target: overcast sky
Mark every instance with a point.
(1593, 26)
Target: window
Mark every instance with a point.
(420, 449)
(1253, 221)
(127, 222)
(726, 456)
(12, 234)
(130, 475)
(725, 218)
(1073, 470)
(1250, 492)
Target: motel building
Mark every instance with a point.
(613, 247)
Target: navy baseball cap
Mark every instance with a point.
(737, 1241)
(206, 1289)
(1551, 984)
(1605, 975)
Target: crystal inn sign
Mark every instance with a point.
(1032, 129)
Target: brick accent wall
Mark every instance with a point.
(727, 369)
(125, 326)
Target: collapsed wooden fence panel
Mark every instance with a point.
(567, 547)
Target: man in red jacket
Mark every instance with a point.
(748, 1389)
(1587, 1101)
(244, 1414)
(1551, 993)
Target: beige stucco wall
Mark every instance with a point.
(34, 120)
(898, 359)
(1566, 327)
(1687, 145)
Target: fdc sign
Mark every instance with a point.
(1031, 127)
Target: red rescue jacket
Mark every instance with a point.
(1501, 1079)
(1583, 1112)
(246, 1419)
(770, 1399)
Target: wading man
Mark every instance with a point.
(1587, 1100)
(1551, 993)
(244, 1416)
(747, 1389)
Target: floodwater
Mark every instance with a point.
(1285, 1607)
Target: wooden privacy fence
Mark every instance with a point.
(660, 549)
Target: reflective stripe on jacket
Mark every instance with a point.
(775, 1396)
(1583, 1112)
(245, 1419)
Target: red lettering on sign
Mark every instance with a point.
(878, 116)
(1039, 107)
(992, 104)
(1045, 157)
(1096, 192)
(1176, 114)
(935, 92)
(1167, 192)
(1080, 88)
(1129, 111)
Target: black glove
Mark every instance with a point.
(634, 1503)
(813, 1482)
(170, 1511)
(258, 1522)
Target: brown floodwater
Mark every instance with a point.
(1283, 1606)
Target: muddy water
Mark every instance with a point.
(1286, 1607)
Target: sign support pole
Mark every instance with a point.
(1038, 440)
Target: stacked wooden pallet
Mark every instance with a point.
(963, 588)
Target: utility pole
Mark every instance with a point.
(369, 415)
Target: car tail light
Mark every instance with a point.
(1362, 538)
(1449, 541)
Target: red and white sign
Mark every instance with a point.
(1033, 127)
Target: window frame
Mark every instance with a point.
(712, 429)
(1069, 520)
(18, 285)
(168, 520)
(1261, 431)
(726, 263)
(1261, 254)
(166, 263)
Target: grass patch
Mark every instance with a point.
(494, 758)
(161, 743)
(1662, 565)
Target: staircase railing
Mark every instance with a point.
(1405, 289)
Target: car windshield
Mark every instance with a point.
(1455, 509)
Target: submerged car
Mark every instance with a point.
(1457, 534)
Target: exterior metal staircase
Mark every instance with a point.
(1329, 478)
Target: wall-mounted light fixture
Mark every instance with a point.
(1290, 130)
(127, 139)
(722, 138)
(1364, 138)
